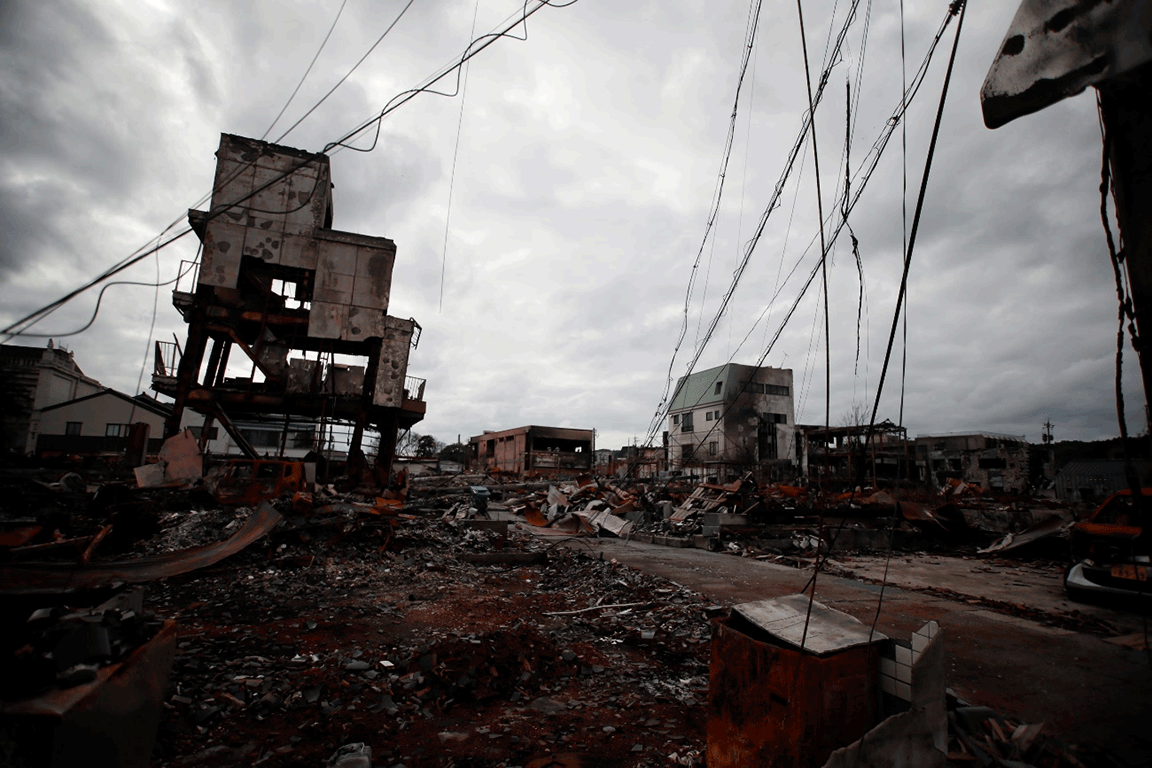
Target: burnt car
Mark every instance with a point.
(249, 481)
(1110, 549)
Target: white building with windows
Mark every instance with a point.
(732, 415)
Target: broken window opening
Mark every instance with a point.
(713, 448)
(719, 387)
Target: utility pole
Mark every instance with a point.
(1056, 50)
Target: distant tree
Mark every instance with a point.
(428, 446)
(406, 443)
(457, 452)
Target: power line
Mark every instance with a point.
(473, 49)
(455, 156)
(348, 73)
(307, 71)
(800, 141)
(717, 196)
(864, 174)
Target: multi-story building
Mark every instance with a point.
(737, 415)
(31, 379)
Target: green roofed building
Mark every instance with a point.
(735, 415)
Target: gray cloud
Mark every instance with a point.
(587, 161)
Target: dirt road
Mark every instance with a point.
(1089, 690)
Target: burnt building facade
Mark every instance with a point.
(533, 449)
(846, 456)
(304, 304)
(735, 415)
(1000, 463)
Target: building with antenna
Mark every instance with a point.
(31, 379)
(732, 417)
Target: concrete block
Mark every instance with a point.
(903, 673)
(903, 655)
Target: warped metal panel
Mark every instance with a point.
(43, 579)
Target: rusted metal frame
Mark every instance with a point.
(235, 337)
(52, 579)
(213, 360)
(1126, 112)
(241, 442)
(188, 371)
(368, 392)
(236, 316)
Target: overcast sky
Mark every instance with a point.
(587, 162)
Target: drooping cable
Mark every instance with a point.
(717, 196)
(1125, 310)
(348, 74)
(774, 202)
(863, 175)
(307, 71)
(820, 213)
(957, 7)
(474, 48)
(455, 156)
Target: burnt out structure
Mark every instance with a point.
(845, 456)
(532, 449)
(305, 304)
(1000, 463)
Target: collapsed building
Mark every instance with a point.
(1001, 463)
(732, 417)
(532, 449)
(304, 303)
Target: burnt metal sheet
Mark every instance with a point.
(1056, 48)
(1042, 530)
(109, 721)
(47, 579)
(829, 630)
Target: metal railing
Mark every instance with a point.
(167, 359)
(187, 277)
(414, 388)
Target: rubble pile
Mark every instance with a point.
(981, 736)
(430, 659)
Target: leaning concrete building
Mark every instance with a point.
(304, 304)
(733, 415)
